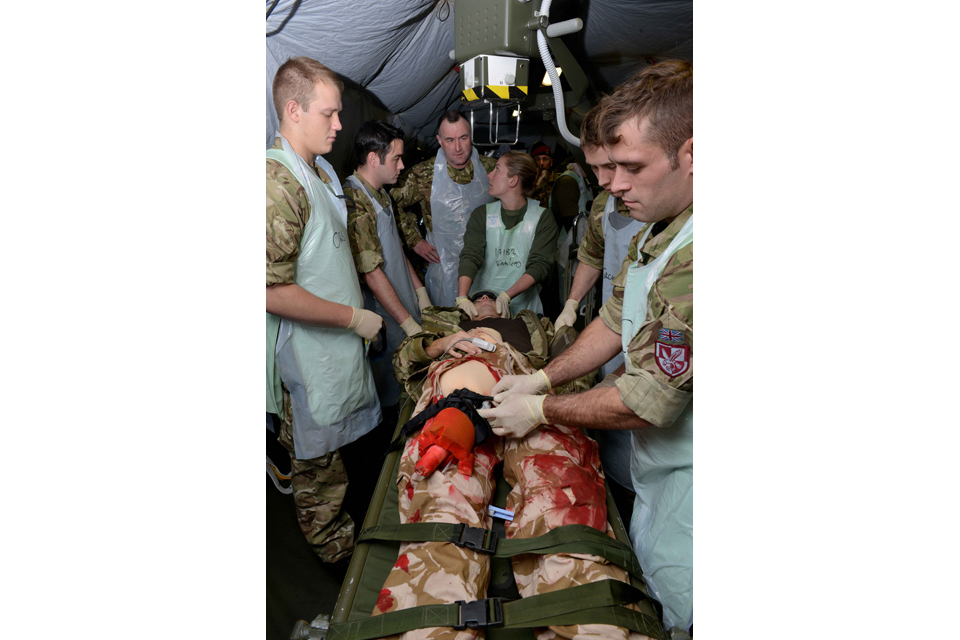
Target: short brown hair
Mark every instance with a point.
(590, 127)
(452, 116)
(296, 80)
(521, 164)
(663, 94)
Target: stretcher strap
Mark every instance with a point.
(595, 603)
(571, 538)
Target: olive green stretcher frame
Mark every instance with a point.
(373, 559)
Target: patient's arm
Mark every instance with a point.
(451, 344)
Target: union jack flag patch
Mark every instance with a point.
(669, 335)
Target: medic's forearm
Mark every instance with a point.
(595, 346)
(385, 295)
(525, 282)
(583, 280)
(413, 274)
(599, 408)
(293, 302)
(463, 285)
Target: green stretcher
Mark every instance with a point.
(503, 614)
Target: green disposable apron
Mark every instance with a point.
(324, 368)
(394, 267)
(661, 469)
(505, 257)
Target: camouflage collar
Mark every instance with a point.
(324, 178)
(656, 245)
(380, 194)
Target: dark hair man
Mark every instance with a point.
(394, 290)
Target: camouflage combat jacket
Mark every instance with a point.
(413, 187)
(645, 387)
(288, 210)
(591, 248)
(362, 226)
(410, 361)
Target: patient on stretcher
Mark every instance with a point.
(554, 473)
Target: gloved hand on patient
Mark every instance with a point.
(468, 307)
(534, 384)
(516, 416)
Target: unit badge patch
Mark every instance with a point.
(673, 361)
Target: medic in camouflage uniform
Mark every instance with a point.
(648, 316)
(319, 484)
(393, 289)
(555, 474)
(414, 188)
(461, 191)
(302, 216)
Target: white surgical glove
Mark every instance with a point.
(516, 416)
(365, 324)
(503, 304)
(568, 316)
(410, 326)
(423, 299)
(468, 307)
(534, 384)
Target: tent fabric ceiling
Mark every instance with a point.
(398, 50)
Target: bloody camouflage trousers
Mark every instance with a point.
(319, 486)
(556, 479)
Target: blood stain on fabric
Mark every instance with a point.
(385, 601)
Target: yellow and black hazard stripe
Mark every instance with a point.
(495, 92)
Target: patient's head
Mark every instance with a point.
(486, 304)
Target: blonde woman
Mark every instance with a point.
(510, 244)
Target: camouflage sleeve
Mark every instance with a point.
(657, 386)
(488, 163)
(288, 209)
(590, 252)
(541, 335)
(412, 189)
(362, 231)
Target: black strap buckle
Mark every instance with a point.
(480, 540)
(480, 613)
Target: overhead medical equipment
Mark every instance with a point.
(494, 42)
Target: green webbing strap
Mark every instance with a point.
(572, 538)
(595, 603)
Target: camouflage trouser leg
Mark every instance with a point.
(319, 486)
(556, 480)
